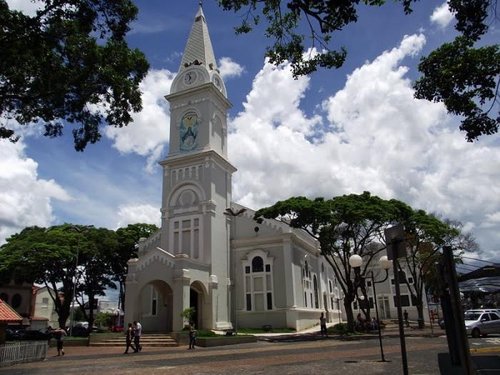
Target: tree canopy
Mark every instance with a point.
(344, 226)
(81, 262)
(48, 257)
(69, 64)
(128, 238)
(459, 74)
(354, 224)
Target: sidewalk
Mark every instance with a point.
(391, 329)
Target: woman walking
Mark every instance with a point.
(59, 334)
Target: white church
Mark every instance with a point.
(209, 253)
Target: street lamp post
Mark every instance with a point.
(355, 261)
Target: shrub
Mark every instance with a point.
(206, 333)
(339, 329)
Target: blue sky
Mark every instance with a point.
(336, 132)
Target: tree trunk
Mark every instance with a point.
(349, 314)
(62, 318)
(420, 311)
(91, 312)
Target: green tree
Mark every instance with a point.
(95, 274)
(464, 77)
(72, 259)
(128, 239)
(344, 226)
(69, 64)
(46, 256)
(426, 234)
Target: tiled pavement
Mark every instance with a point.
(305, 353)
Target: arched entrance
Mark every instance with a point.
(155, 307)
(197, 301)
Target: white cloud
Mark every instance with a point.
(442, 16)
(28, 7)
(138, 213)
(149, 132)
(228, 68)
(375, 136)
(25, 199)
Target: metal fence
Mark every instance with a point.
(22, 351)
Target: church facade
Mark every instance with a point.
(209, 253)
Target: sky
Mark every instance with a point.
(336, 132)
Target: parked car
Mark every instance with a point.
(482, 322)
(27, 334)
(81, 329)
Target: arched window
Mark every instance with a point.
(257, 264)
(258, 282)
(316, 297)
(186, 225)
(307, 285)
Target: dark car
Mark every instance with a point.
(32, 334)
(11, 334)
(27, 334)
(80, 331)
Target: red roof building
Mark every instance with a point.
(8, 314)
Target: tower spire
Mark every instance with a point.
(199, 49)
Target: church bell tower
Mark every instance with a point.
(197, 181)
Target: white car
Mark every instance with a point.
(481, 322)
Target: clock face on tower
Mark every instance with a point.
(188, 131)
(189, 78)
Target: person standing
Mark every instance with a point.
(129, 337)
(322, 325)
(59, 334)
(192, 335)
(137, 336)
(405, 316)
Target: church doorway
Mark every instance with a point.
(196, 301)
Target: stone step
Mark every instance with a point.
(149, 340)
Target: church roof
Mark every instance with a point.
(199, 49)
(8, 314)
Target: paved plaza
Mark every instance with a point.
(291, 354)
(301, 357)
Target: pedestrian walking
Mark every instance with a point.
(192, 335)
(59, 334)
(129, 337)
(405, 316)
(137, 336)
(322, 325)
